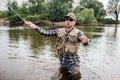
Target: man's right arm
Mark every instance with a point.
(41, 30)
(46, 32)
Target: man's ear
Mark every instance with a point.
(75, 22)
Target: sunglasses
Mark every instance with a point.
(68, 19)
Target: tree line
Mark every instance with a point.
(87, 11)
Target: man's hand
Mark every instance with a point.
(29, 24)
(83, 39)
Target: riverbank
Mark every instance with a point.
(45, 23)
(4, 22)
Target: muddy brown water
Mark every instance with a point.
(27, 55)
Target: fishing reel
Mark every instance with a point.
(26, 27)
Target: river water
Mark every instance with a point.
(27, 55)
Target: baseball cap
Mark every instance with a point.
(71, 15)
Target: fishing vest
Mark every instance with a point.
(67, 43)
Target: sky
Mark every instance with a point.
(2, 3)
(104, 2)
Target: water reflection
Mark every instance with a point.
(115, 30)
(112, 41)
(35, 41)
(92, 31)
(38, 44)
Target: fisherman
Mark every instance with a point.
(67, 44)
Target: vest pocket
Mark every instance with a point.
(72, 39)
(71, 50)
(59, 45)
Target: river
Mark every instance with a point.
(27, 55)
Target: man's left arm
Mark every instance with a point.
(82, 38)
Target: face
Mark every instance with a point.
(69, 22)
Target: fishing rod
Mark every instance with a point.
(16, 13)
(19, 17)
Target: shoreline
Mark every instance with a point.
(46, 23)
(4, 22)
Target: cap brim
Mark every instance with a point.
(67, 17)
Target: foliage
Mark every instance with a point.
(36, 6)
(86, 16)
(77, 9)
(57, 9)
(12, 6)
(106, 20)
(14, 18)
(113, 8)
(35, 18)
(97, 6)
(23, 9)
(54, 10)
(3, 14)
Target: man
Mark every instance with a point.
(67, 44)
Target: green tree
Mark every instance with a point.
(77, 9)
(113, 8)
(36, 6)
(86, 16)
(13, 10)
(12, 5)
(57, 9)
(24, 8)
(3, 14)
(30, 10)
(97, 6)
